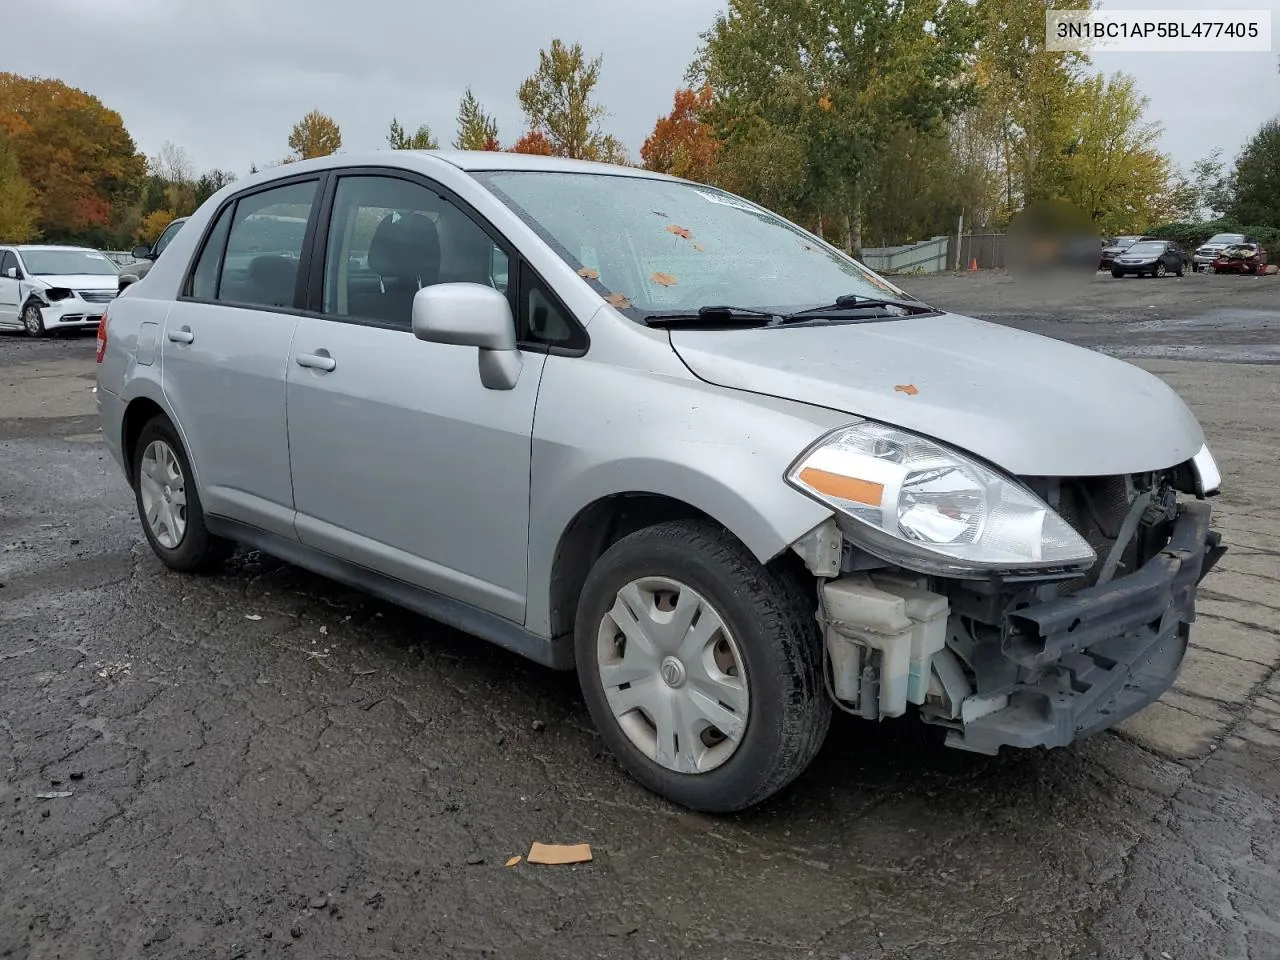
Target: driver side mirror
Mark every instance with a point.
(471, 315)
(141, 252)
(12, 273)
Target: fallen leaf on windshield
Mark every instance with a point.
(666, 279)
(619, 300)
(679, 231)
(587, 273)
(908, 388)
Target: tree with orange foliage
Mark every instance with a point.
(81, 163)
(682, 144)
(533, 142)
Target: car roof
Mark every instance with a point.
(469, 161)
(25, 247)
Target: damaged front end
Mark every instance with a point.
(1025, 658)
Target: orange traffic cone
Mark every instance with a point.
(973, 264)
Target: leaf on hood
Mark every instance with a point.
(589, 273)
(618, 300)
(909, 389)
(679, 231)
(666, 279)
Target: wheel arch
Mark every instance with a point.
(765, 525)
(146, 402)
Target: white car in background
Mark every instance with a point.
(47, 288)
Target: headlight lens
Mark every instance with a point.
(932, 508)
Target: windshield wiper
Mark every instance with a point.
(853, 301)
(714, 315)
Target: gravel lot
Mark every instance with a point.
(264, 764)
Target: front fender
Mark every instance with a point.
(723, 452)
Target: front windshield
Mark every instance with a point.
(64, 263)
(1227, 238)
(1145, 249)
(662, 246)
(1123, 242)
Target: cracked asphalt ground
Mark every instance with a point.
(265, 764)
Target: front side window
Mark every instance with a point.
(66, 263)
(7, 262)
(659, 245)
(263, 247)
(389, 238)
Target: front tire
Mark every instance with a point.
(33, 320)
(701, 668)
(1161, 270)
(1118, 274)
(169, 504)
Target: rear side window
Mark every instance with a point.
(254, 251)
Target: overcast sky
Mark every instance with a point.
(226, 79)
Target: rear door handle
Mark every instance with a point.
(182, 336)
(317, 361)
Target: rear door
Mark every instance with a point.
(9, 306)
(402, 460)
(226, 347)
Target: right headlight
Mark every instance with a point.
(931, 508)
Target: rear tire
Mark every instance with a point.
(169, 504)
(767, 691)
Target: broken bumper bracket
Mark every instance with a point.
(1090, 660)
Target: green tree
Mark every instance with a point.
(315, 135)
(210, 183)
(1114, 170)
(557, 101)
(17, 199)
(476, 129)
(1257, 178)
(400, 139)
(830, 80)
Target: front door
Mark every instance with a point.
(9, 305)
(225, 352)
(402, 460)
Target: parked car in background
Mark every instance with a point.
(510, 392)
(1241, 258)
(1155, 258)
(1204, 255)
(145, 256)
(1114, 247)
(47, 288)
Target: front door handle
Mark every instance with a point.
(317, 361)
(182, 336)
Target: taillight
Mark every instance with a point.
(102, 337)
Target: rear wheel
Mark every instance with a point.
(701, 668)
(169, 504)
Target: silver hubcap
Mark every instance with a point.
(164, 494)
(673, 675)
(33, 319)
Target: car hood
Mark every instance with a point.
(1032, 405)
(80, 281)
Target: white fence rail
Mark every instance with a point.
(929, 256)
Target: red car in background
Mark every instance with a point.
(1241, 258)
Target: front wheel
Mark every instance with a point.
(169, 504)
(701, 668)
(33, 320)
(1117, 274)
(1161, 270)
